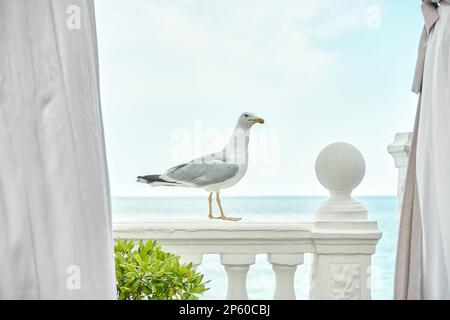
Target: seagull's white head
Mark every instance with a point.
(248, 119)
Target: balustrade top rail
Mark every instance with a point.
(206, 237)
(152, 228)
(201, 236)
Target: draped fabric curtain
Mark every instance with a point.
(408, 271)
(423, 254)
(55, 217)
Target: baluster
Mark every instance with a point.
(400, 150)
(284, 266)
(236, 267)
(195, 259)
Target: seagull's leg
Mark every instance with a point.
(210, 206)
(222, 215)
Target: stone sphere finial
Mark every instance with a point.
(340, 168)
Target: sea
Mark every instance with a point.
(261, 280)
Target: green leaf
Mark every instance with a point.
(145, 272)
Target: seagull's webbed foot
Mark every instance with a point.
(230, 218)
(222, 215)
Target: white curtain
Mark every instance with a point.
(55, 216)
(433, 169)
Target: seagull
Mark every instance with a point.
(215, 171)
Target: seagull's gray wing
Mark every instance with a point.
(200, 174)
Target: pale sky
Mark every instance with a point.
(176, 75)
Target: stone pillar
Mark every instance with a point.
(237, 266)
(400, 150)
(195, 259)
(343, 236)
(284, 266)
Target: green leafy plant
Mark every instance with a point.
(145, 272)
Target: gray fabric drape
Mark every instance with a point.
(55, 217)
(431, 16)
(408, 269)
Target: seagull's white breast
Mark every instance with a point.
(240, 158)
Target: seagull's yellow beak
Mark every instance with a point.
(259, 120)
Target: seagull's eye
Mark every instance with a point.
(246, 115)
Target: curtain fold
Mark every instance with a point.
(408, 269)
(423, 256)
(55, 217)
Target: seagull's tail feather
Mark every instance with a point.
(155, 180)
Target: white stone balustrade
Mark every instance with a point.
(339, 236)
(400, 150)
